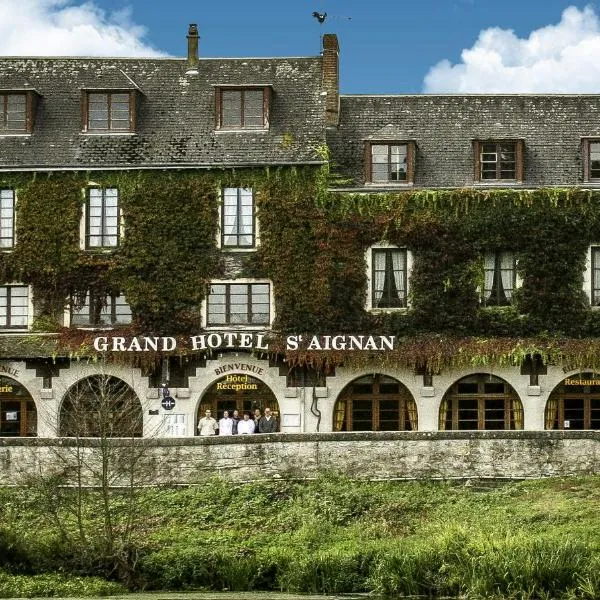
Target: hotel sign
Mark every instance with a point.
(242, 340)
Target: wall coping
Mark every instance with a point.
(332, 437)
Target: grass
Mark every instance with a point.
(532, 539)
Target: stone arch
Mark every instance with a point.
(480, 401)
(100, 406)
(375, 402)
(18, 412)
(574, 403)
(237, 391)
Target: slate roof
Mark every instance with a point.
(175, 113)
(443, 128)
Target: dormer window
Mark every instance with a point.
(389, 162)
(242, 108)
(109, 112)
(498, 161)
(16, 111)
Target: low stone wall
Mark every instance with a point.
(370, 455)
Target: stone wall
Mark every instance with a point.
(382, 455)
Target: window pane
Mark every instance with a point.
(102, 218)
(237, 217)
(6, 218)
(595, 160)
(253, 108)
(231, 108)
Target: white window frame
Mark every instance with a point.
(369, 260)
(237, 249)
(204, 306)
(29, 309)
(14, 220)
(518, 283)
(588, 275)
(83, 222)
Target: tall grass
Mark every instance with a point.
(536, 540)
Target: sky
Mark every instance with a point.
(387, 46)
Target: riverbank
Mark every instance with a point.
(530, 539)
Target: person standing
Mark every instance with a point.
(236, 419)
(207, 425)
(268, 423)
(246, 425)
(257, 417)
(226, 424)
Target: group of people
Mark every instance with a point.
(235, 425)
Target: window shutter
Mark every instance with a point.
(519, 159)
(29, 107)
(585, 159)
(266, 103)
(217, 108)
(476, 160)
(84, 111)
(410, 162)
(132, 110)
(367, 159)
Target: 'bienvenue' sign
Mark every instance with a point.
(242, 340)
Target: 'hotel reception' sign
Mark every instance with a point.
(243, 340)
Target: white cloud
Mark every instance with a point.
(561, 58)
(65, 28)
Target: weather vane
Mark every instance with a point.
(321, 16)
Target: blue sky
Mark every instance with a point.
(387, 46)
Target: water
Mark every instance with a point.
(221, 596)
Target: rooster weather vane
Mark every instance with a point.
(322, 16)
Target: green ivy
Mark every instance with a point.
(312, 247)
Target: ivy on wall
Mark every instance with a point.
(312, 247)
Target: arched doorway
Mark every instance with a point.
(238, 392)
(574, 403)
(18, 415)
(375, 403)
(101, 406)
(481, 401)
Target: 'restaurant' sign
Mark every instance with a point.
(242, 340)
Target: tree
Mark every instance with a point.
(91, 486)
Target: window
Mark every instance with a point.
(18, 416)
(575, 403)
(239, 304)
(242, 108)
(7, 219)
(481, 402)
(375, 403)
(101, 406)
(499, 160)
(389, 277)
(237, 218)
(591, 160)
(102, 218)
(389, 162)
(14, 306)
(13, 113)
(595, 297)
(109, 112)
(108, 310)
(499, 278)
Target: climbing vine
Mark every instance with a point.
(312, 247)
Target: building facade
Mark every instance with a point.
(183, 235)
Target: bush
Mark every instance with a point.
(55, 584)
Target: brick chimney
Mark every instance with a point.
(192, 53)
(331, 78)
